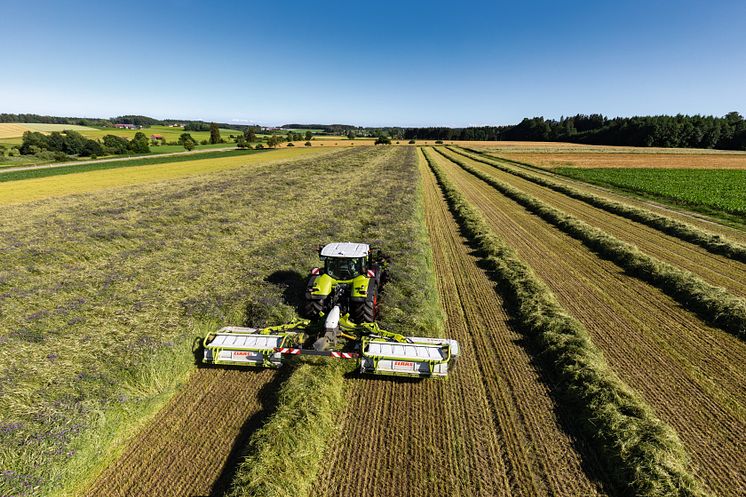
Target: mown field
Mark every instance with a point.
(633, 160)
(668, 355)
(55, 182)
(602, 337)
(16, 130)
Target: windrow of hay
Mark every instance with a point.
(291, 444)
(285, 455)
(715, 243)
(712, 303)
(640, 451)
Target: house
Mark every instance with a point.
(126, 126)
(156, 138)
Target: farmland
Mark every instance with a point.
(109, 275)
(671, 373)
(44, 183)
(632, 159)
(716, 191)
(13, 130)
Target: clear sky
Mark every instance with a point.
(372, 63)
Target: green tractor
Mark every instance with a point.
(351, 278)
(341, 307)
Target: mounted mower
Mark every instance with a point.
(341, 305)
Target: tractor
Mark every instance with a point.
(341, 308)
(351, 278)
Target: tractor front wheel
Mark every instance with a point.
(312, 308)
(366, 311)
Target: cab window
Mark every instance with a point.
(343, 269)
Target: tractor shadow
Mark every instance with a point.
(293, 284)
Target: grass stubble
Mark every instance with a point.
(714, 304)
(638, 450)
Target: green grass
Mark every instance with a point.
(94, 287)
(284, 457)
(712, 191)
(640, 452)
(94, 166)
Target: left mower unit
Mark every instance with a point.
(342, 304)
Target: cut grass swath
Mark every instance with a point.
(716, 244)
(640, 451)
(714, 304)
(285, 462)
(284, 456)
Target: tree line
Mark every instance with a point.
(64, 145)
(727, 132)
(136, 120)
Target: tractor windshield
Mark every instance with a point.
(341, 268)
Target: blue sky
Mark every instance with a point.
(372, 63)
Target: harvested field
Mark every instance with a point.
(490, 429)
(549, 148)
(714, 269)
(189, 448)
(13, 130)
(690, 373)
(638, 160)
(674, 212)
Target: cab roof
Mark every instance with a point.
(345, 250)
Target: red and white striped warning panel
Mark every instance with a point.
(288, 350)
(344, 355)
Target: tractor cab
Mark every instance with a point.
(345, 261)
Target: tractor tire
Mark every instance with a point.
(312, 308)
(365, 311)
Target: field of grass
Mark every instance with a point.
(579, 368)
(16, 130)
(105, 282)
(708, 190)
(25, 186)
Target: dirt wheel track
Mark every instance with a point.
(699, 220)
(186, 449)
(692, 374)
(490, 429)
(714, 269)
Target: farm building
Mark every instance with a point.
(126, 126)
